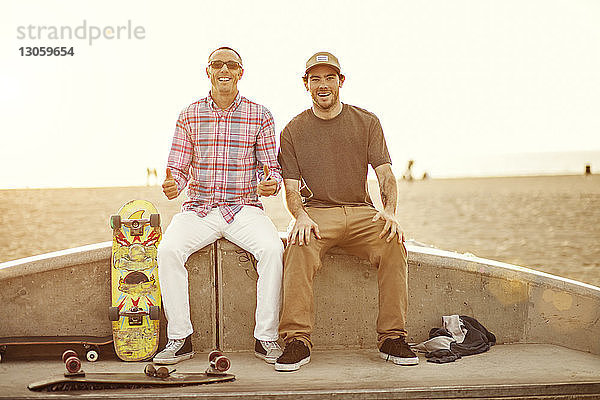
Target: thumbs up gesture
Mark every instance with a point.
(170, 186)
(268, 186)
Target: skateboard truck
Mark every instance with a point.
(160, 372)
(135, 314)
(218, 364)
(136, 226)
(72, 364)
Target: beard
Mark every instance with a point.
(331, 101)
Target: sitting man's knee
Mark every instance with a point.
(272, 248)
(167, 250)
(385, 249)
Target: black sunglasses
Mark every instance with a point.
(231, 65)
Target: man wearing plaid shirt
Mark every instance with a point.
(223, 147)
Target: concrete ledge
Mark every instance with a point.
(518, 304)
(345, 300)
(68, 301)
(203, 306)
(67, 293)
(56, 260)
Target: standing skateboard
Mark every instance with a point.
(135, 293)
(90, 344)
(74, 378)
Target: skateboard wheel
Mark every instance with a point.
(91, 355)
(154, 312)
(113, 313)
(154, 220)
(115, 221)
(69, 353)
(214, 354)
(150, 370)
(162, 372)
(73, 364)
(222, 363)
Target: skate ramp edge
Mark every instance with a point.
(68, 293)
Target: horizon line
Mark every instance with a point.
(369, 179)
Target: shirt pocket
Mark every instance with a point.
(242, 142)
(204, 148)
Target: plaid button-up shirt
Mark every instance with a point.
(219, 155)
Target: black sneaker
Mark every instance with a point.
(397, 351)
(295, 355)
(176, 350)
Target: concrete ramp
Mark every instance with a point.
(547, 328)
(67, 293)
(517, 304)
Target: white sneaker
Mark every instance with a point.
(176, 350)
(268, 351)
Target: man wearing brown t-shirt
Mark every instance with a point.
(325, 153)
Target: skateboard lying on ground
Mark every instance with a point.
(135, 293)
(76, 379)
(91, 344)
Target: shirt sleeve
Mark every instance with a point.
(266, 149)
(182, 150)
(287, 156)
(377, 152)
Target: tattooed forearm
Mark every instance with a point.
(293, 198)
(388, 187)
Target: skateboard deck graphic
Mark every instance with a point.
(90, 344)
(135, 293)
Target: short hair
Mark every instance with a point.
(225, 48)
(339, 74)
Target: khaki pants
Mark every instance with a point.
(352, 229)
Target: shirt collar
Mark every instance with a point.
(232, 107)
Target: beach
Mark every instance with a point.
(548, 223)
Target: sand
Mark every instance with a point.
(548, 223)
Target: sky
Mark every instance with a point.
(465, 88)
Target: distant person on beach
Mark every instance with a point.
(325, 153)
(408, 176)
(222, 144)
(151, 175)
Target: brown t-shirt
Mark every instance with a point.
(332, 156)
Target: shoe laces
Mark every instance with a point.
(400, 342)
(172, 344)
(295, 347)
(396, 345)
(269, 345)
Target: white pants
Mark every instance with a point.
(253, 231)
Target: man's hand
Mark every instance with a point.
(268, 186)
(391, 225)
(170, 186)
(302, 228)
